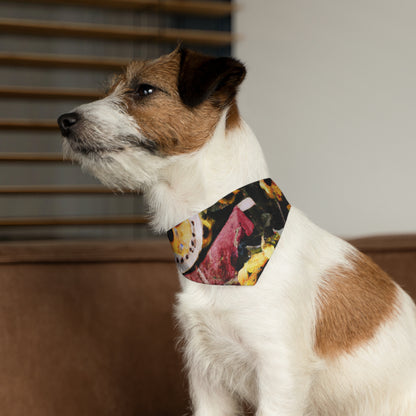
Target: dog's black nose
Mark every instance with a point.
(66, 122)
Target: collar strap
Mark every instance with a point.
(231, 242)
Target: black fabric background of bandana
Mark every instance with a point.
(218, 214)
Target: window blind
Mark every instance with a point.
(55, 55)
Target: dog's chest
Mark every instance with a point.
(215, 341)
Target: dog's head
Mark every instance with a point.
(155, 110)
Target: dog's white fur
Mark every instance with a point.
(257, 344)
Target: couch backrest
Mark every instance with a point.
(396, 254)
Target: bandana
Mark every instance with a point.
(231, 242)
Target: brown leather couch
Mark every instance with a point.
(86, 328)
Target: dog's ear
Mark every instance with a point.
(202, 77)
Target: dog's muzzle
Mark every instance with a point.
(66, 123)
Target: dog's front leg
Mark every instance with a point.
(283, 383)
(209, 399)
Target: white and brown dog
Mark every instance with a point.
(324, 331)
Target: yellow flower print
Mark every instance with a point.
(249, 273)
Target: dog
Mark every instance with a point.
(320, 329)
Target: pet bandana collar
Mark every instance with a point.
(231, 242)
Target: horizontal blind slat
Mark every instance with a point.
(201, 8)
(23, 124)
(60, 190)
(31, 157)
(69, 221)
(61, 61)
(77, 30)
(49, 93)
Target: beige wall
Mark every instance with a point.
(331, 95)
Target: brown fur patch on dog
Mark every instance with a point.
(233, 116)
(162, 117)
(353, 302)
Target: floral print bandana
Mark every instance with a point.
(231, 242)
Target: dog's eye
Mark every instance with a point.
(144, 90)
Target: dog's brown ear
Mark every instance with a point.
(202, 77)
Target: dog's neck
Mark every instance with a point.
(190, 183)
